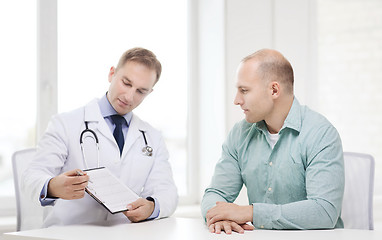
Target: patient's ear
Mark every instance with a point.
(275, 89)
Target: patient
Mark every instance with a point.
(289, 157)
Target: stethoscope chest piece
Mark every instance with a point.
(147, 150)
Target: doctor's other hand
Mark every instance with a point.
(139, 210)
(228, 227)
(230, 212)
(68, 185)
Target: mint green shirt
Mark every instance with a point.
(299, 184)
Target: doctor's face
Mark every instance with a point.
(129, 85)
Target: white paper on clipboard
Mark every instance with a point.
(108, 190)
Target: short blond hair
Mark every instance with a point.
(142, 56)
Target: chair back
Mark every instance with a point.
(357, 205)
(29, 213)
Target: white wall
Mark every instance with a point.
(287, 26)
(210, 78)
(46, 63)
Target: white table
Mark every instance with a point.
(182, 228)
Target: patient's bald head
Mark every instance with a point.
(273, 66)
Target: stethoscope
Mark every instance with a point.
(146, 150)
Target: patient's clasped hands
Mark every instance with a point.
(229, 217)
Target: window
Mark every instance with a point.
(18, 84)
(350, 74)
(89, 46)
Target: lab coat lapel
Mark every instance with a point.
(96, 121)
(133, 134)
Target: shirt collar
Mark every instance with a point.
(107, 109)
(292, 121)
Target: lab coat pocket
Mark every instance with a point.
(138, 168)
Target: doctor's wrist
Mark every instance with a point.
(152, 203)
(50, 189)
(156, 210)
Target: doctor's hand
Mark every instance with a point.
(228, 227)
(139, 210)
(68, 185)
(229, 212)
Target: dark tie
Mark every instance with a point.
(118, 134)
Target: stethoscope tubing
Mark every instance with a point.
(147, 150)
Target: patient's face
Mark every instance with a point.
(254, 95)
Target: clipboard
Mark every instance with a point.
(108, 190)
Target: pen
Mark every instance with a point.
(81, 174)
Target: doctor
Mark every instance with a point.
(130, 148)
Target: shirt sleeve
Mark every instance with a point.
(44, 199)
(324, 178)
(226, 182)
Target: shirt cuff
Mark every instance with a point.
(44, 200)
(264, 214)
(156, 211)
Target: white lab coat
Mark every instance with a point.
(59, 151)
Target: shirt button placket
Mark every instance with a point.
(270, 164)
